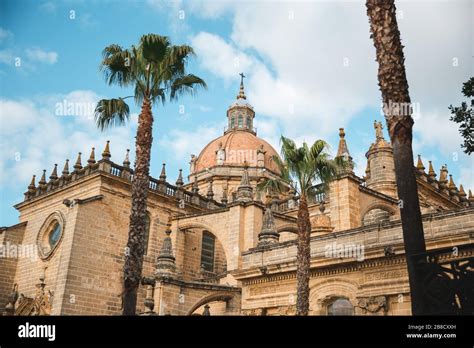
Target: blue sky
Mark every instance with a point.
(310, 68)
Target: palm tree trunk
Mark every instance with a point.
(132, 270)
(303, 258)
(394, 87)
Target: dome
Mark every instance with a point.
(237, 148)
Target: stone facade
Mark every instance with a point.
(218, 246)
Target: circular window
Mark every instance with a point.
(50, 235)
(54, 235)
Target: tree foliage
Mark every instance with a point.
(464, 116)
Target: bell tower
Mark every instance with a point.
(380, 166)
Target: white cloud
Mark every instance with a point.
(435, 129)
(311, 65)
(33, 137)
(184, 143)
(5, 34)
(7, 57)
(466, 177)
(48, 6)
(39, 55)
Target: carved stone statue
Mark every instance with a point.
(220, 155)
(378, 130)
(260, 156)
(192, 163)
(12, 298)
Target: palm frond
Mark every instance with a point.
(307, 169)
(111, 112)
(154, 47)
(117, 65)
(186, 84)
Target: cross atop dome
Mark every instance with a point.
(242, 92)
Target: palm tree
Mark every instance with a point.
(154, 69)
(396, 100)
(308, 171)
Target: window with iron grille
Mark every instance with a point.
(207, 251)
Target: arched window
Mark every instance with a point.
(241, 121)
(340, 306)
(249, 122)
(207, 251)
(232, 122)
(147, 232)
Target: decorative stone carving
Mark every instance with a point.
(245, 191)
(150, 295)
(12, 298)
(378, 130)
(287, 310)
(255, 312)
(268, 234)
(41, 304)
(389, 250)
(220, 155)
(165, 262)
(373, 304)
(192, 163)
(261, 156)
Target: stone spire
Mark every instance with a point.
(431, 173)
(462, 194)
(471, 198)
(452, 187)
(126, 161)
(165, 262)
(180, 181)
(32, 186)
(241, 94)
(206, 311)
(245, 191)
(42, 182)
(210, 192)
(54, 174)
(419, 166)
(269, 233)
(443, 177)
(224, 199)
(91, 160)
(106, 155)
(66, 168)
(343, 152)
(163, 172)
(78, 165)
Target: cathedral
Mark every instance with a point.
(216, 245)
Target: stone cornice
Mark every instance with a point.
(437, 192)
(108, 169)
(378, 194)
(288, 270)
(6, 228)
(198, 285)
